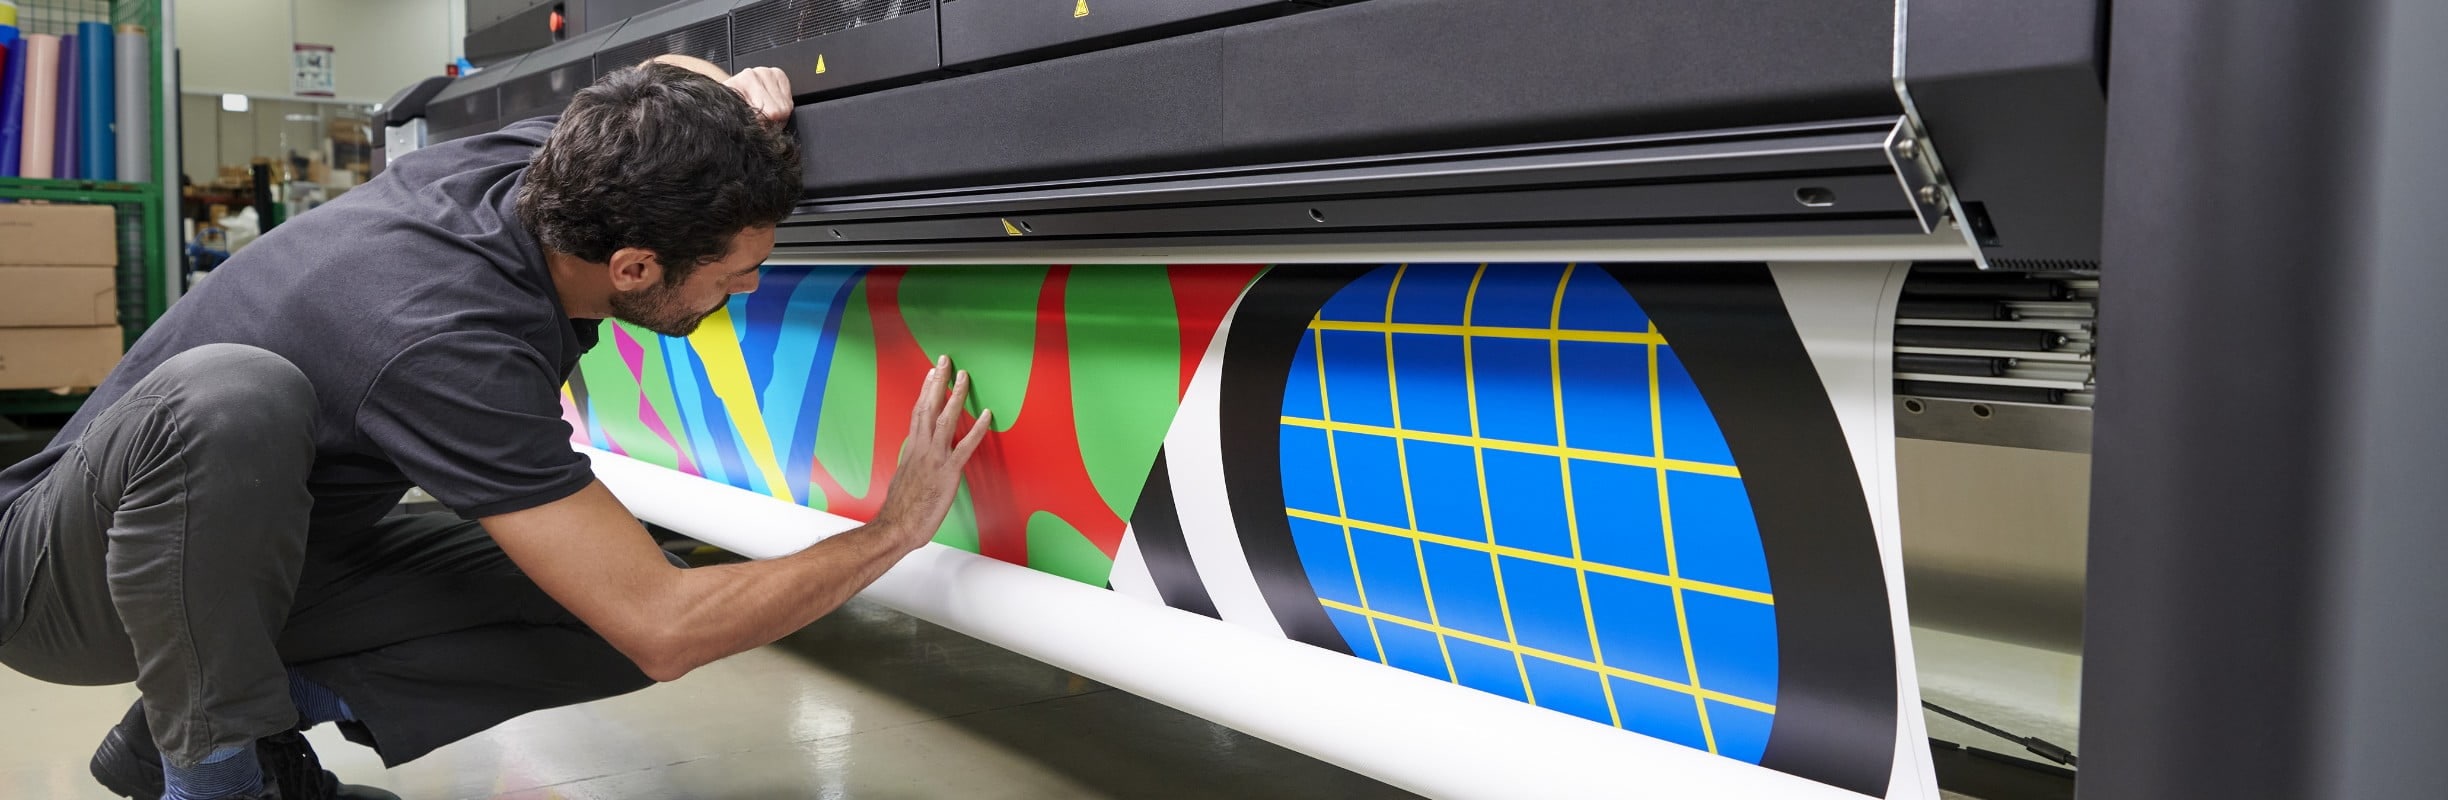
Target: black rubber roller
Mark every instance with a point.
(1987, 287)
(1955, 309)
(2022, 339)
(1974, 391)
(1967, 366)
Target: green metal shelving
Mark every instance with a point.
(143, 207)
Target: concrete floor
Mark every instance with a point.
(867, 703)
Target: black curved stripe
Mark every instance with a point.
(1157, 524)
(1836, 682)
(1266, 333)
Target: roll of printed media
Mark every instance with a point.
(135, 113)
(41, 131)
(12, 108)
(64, 145)
(97, 147)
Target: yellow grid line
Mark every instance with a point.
(1493, 549)
(1559, 658)
(1657, 441)
(1487, 516)
(1572, 517)
(1402, 462)
(1532, 448)
(1334, 466)
(1554, 335)
(1549, 334)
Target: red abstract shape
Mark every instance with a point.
(1035, 466)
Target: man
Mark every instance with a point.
(212, 525)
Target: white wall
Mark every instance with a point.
(381, 46)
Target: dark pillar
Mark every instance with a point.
(2268, 591)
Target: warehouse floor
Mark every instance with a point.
(867, 703)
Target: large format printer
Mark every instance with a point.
(1974, 139)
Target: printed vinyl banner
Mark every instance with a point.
(1656, 497)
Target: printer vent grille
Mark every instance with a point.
(709, 40)
(779, 22)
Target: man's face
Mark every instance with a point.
(675, 309)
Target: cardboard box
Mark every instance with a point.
(58, 297)
(58, 235)
(57, 358)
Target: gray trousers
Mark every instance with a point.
(170, 546)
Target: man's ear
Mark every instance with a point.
(635, 268)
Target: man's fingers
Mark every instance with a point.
(778, 82)
(947, 422)
(777, 92)
(930, 398)
(767, 91)
(969, 444)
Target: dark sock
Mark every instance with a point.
(316, 705)
(231, 772)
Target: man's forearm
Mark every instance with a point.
(723, 610)
(592, 556)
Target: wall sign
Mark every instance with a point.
(311, 74)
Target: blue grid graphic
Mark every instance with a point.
(1504, 478)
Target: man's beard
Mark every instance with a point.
(659, 309)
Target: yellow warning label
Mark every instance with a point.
(1010, 229)
(1081, 11)
(820, 67)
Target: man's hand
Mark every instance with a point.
(592, 556)
(768, 92)
(922, 489)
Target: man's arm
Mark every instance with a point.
(592, 556)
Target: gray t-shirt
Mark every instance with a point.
(424, 316)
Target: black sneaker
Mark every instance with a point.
(129, 765)
(289, 764)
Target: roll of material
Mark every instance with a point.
(1418, 733)
(12, 89)
(35, 156)
(97, 146)
(65, 146)
(135, 106)
(12, 109)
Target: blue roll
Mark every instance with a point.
(12, 109)
(97, 102)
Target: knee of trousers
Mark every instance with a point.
(235, 398)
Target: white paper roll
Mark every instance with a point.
(1418, 733)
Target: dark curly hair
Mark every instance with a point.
(662, 158)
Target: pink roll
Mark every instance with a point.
(41, 105)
